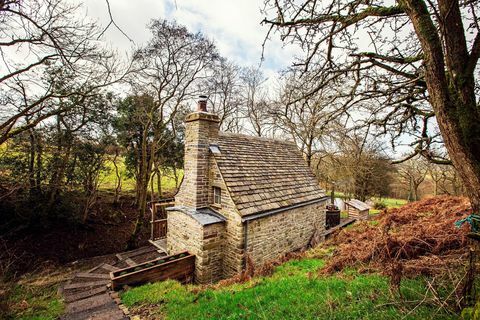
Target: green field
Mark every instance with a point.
(108, 179)
(296, 290)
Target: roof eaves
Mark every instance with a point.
(279, 210)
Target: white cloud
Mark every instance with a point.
(233, 25)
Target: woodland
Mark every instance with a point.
(383, 102)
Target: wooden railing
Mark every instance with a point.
(180, 266)
(159, 229)
(158, 219)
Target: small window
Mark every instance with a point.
(217, 195)
(214, 149)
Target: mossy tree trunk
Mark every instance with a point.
(449, 75)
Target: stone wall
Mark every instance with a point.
(233, 255)
(201, 130)
(275, 235)
(205, 242)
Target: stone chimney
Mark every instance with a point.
(201, 130)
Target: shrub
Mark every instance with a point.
(379, 205)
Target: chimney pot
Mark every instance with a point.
(202, 104)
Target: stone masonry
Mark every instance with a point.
(205, 242)
(271, 237)
(261, 175)
(202, 130)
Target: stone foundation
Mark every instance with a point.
(205, 242)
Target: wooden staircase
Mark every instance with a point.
(88, 295)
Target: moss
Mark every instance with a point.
(472, 313)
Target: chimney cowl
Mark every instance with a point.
(202, 103)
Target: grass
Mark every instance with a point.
(108, 179)
(294, 291)
(389, 204)
(36, 300)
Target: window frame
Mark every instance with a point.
(217, 192)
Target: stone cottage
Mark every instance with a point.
(241, 196)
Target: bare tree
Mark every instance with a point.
(171, 70)
(308, 120)
(414, 61)
(224, 92)
(413, 173)
(47, 53)
(256, 102)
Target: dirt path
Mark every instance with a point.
(88, 295)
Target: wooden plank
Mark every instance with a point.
(95, 268)
(130, 262)
(165, 258)
(180, 269)
(93, 275)
(109, 267)
(85, 284)
(88, 303)
(160, 244)
(342, 224)
(93, 312)
(115, 314)
(133, 253)
(84, 294)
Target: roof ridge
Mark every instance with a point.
(246, 136)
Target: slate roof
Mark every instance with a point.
(205, 216)
(357, 204)
(264, 174)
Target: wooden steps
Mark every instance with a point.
(87, 294)
(84, 294)
(93, 275)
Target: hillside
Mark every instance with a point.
(326, 283)
(339, 279)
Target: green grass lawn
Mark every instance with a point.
(294, 291)
(391, 202)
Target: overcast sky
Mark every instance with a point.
(234, 25)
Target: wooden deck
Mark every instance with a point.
(343, 224)
(160, 244)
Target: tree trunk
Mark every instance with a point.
(152, 187)
(39, 166)
(451, 93)
(31, 163)
(118, 179)
(159, 183)
(415, 191)
(175, 174)
(145, 172)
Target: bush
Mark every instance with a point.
(379, 205)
